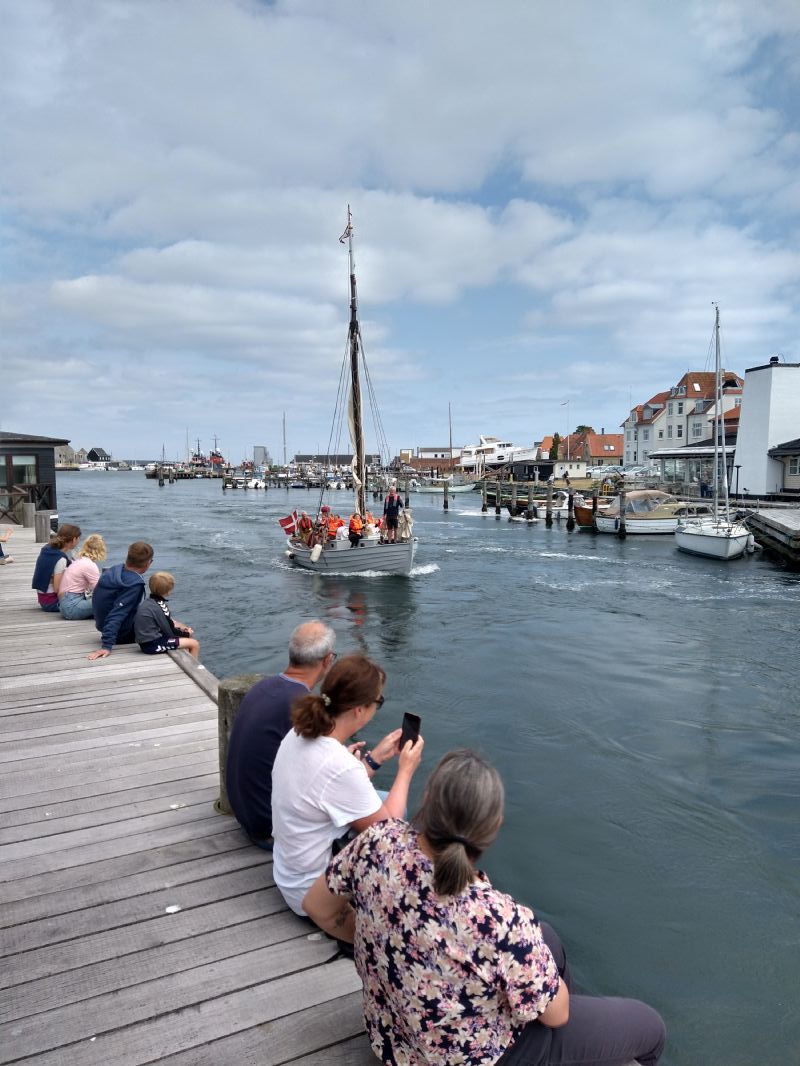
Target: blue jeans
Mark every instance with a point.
(75, 607)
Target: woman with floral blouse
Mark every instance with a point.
(456, 973)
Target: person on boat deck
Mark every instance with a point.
(392, 506)
(156, 631)
(117, 596)
(54, 558)
(78, 582)
(263, 720)
(355, 529)
(305, 528)
(454, 970)
(321, 788)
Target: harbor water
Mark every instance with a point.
(643, 707)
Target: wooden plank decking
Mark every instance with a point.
(137, 925)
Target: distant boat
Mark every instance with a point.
(491, 453)
(717, 537)
(336, 555)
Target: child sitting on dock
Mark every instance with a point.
(155, 629)
(3, 538)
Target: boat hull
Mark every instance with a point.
(634, 524)
(372, 556)
(438, 490)
(720, 541)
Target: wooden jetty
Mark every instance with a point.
(138, 925)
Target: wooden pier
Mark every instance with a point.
(138, 925)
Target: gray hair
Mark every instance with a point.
(310, 643)
(461, 812)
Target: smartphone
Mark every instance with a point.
(411, 724)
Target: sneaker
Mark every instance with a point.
(6, 559)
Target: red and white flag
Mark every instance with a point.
(289, 524)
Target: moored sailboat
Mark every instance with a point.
(336, 555)
(717, 537)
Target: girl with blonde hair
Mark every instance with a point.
(78, 582)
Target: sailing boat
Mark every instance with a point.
(453, 483)
(336, 555)
(717, 537)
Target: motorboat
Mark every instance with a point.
(491, 453)
(649, 511)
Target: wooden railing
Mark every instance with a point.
(11, 500)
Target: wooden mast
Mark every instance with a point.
(355, 385)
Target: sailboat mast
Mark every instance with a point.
(450, 424)
(719, 436)
(355, 385)
(715, 479)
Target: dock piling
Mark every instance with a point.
(231, 692)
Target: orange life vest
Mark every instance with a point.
(356, 525)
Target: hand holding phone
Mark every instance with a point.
(411, 724)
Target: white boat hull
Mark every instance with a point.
(452, 490)
(720, 540)
(340, 558)
(634, 524)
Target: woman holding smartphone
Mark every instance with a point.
(321, 788)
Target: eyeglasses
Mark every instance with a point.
(332, 656)
(379, 702)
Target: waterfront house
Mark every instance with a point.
(789, 455)
(770, 416)
(98, 455)
(27, 473)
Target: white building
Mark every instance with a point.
(770, 416)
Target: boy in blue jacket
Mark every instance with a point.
(117, 596)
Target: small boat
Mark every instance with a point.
(437, 485)
(336, 555)
(717, 537)
(650, 511)
(491, 453)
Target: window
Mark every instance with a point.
(794, 465)
(680, 407)
(697, 429)
(628, 435)
(645, 434)
(669, 432)
(669, 409)
(661, 434)
(679, 431)
(737, 401)
(23, 469)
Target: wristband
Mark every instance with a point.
(371, 763)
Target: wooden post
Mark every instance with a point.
(484, 505)
(622, 532)
(446, 501)
(548, 507)
(29, 515)
(514, 499)
(405, 499)
(570, 510)
(498, 498)
(42, 527)
(229, 697)
(529, 506)
(594, 510)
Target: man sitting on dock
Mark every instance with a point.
(117, 596)
(263, 720)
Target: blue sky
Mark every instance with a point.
(547, 199)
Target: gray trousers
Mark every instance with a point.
(601, 1031)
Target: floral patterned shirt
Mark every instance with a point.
(448, 980)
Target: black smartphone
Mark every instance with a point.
(411, 724)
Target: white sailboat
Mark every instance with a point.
(336, 555)
(717, 537)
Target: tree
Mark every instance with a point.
(555, 446)
(584, 429)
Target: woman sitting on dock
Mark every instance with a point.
(453, 970)
(322, 789)
(78, 582)
(52, 562)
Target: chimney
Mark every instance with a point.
(602, 431)
(774, 361)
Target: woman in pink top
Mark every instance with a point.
(79, 580)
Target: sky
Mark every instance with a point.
(547, 200)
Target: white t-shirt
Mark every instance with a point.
(318, 789)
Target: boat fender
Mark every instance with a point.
(316, 551)
(616, 524)
(289, 555)
(751, 544)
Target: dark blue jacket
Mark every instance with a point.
(114, 601)
(45, 565)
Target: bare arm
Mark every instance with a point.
(395, 804)
(556, 1013)
(331, 913)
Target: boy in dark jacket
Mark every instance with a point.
(155, 629)
(117, 596)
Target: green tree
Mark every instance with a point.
(584, 429)
(555, 446)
